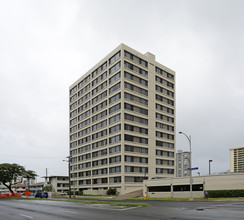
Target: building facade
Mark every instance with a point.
(122, 122)
(237, 160)
(59, 183)
(183, 163)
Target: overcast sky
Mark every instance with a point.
(45, 46)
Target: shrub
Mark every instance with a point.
(226, 193)
(111, 191)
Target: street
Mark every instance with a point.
(53, 210)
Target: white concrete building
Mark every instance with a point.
(183, 163)
(122, 122)
(180, 187)
(237, 159)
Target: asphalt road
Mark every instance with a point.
(53, 210)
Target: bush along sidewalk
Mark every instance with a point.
(225, 193)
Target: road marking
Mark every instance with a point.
(26, 216)
(69, 212)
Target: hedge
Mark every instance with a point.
(226, 193)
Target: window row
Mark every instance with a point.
(136, 99)
(135, 79)
(164, 100)
(114, 68)
(114, 58)
(164, 82)
(99, 153)
(164, 91)
(164, 171)
(132, 169)
(164, 153)
(101, 143)
(164, 126)
(99, 134)
(164, 117)
(136, 119)
(99, 116)
(164, 109)
(84, 132)
(84, 123)
(164, 144)
(73, 129)
(73, 98)
(135, 58)
(114, 139)
(114, 119)
(99, 70)
(136, 109)
(135, 149)
(84, 115)
(74, 105)
(84, 90)
(99, 88)
(99, 97)
(73, 90)
(135, 69)
(73, 137)
(99, 79)
(164, 73)
(165, 162)
(164, 135)
(84, 81)
(136, 129)
(115, 98)
(84, 98)
(114, 78)
(114, 88)
(134, 159)
(99, 125)
(114, 108)
(136, 89)
(99, 106)
(114, 129)
(84, 140)
(84, 148)
(73, 113)
(136, 139)
(84, 106)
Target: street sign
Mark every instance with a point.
(193, 168)
(27, 192)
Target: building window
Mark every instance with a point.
(114, 58)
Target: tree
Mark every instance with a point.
(11, 174)
(48, 188)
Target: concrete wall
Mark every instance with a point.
(95, 192)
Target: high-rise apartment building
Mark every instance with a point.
(183, 163)
(237, 159)
(122, 122)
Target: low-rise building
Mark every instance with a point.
(36, 187)
(59, 183)
(180, 187)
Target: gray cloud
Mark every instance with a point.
(45, 46)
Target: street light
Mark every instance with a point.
(209, 166)
(68, 160)
(189, 139)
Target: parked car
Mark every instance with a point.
(41, 195)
